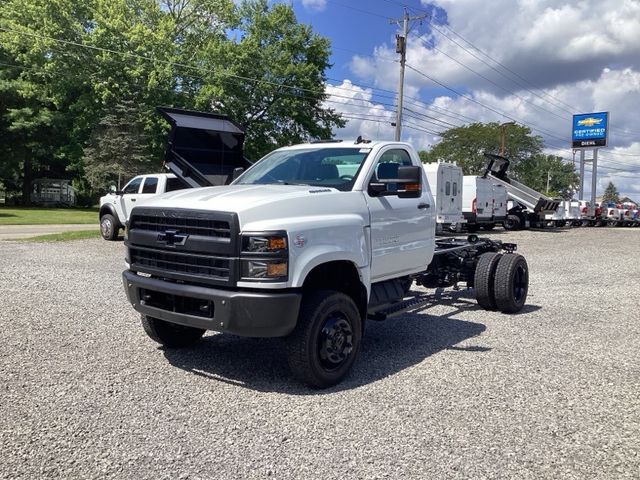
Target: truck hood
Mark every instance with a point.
(269, 206)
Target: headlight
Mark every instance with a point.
(265, 256)
(268, 243)
(269, 269)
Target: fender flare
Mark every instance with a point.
(108, 208)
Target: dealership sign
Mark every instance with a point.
(590, 130)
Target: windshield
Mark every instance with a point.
(322, 167)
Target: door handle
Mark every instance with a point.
(423, 205)
(133, 199)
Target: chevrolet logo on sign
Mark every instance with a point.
(589, 122)
(172, 238)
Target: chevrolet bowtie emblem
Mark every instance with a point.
(172, 238)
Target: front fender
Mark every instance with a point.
(308, 249)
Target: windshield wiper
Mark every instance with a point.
(282, 182)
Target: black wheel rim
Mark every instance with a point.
(335, 342)
(519, 283)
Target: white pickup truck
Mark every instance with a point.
(308, 244)
(116, 206)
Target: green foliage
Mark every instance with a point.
(85, 103)
(280, 53)
(47, 216)
(611, 194)
(466, 146)
(539, 170)
(118, 147)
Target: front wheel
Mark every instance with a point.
(170, 335)
(326, 340)
(109, 227)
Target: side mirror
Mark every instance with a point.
(407, 185)
(237, 172)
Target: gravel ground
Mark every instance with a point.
(450, 392)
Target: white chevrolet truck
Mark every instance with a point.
(309, 243)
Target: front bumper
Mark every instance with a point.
(248, 314)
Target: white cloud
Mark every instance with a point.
(364, 116)
(570, 57)
(315, 5)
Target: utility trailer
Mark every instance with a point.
(529, 207)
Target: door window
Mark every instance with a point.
(388, 163)
(455, 189)
(133, 186)
(150, 185)
(175, 184)
(447, 188)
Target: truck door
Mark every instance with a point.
(402, 229)
(149, 189)
(129, 197)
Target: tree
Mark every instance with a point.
(78, 65)
(548, 174)
(118, 148)
(466, 146)
(271, 80)
(611, 194)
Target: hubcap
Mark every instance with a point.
(335, 342)
(106, 227)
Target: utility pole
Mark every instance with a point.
(503, 134)
(401, 48)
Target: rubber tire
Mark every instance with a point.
(504, 283)
(484, 280)
(170, 335)
(111, 234)
(302, 343)
(512, 222)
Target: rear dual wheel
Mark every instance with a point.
(501, 281)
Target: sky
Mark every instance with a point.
(536, 62)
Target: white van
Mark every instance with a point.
(484, 203)
(445, 181)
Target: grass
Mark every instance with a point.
(65, 236)
(47, 216)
